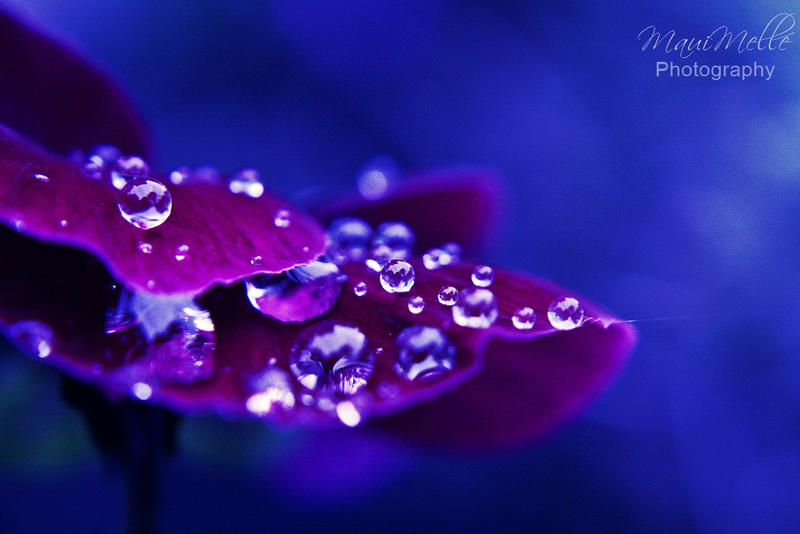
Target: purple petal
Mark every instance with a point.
(50, 93)
(211, 236)
(459, 204)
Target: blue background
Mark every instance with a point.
(654, 196)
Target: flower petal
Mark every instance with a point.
(224, 232)
(50, 93)
(460, 204)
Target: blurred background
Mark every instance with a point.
(656, 197)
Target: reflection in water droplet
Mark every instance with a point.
(298, 294)
(482, 276)
(475, 308)
(145, 203)
(565, 313)
(246, 182)
(524, 318)
(416, 304)
(360, 289)
(181, 252)
(33, 337)
(142, 390)
(282, 219)
(348, 414)
(424, 353)
(272, 391)
(41, 177)
(332, 357)
(397, 276)
(126, 169)
(350, 238)
(447, 295)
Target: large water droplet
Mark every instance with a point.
(350, 238)
(126, 169)
(246, 182)
(416, 304)
(272, 392)
(397, 276)
(424, 353)
(145, 203)
(447, 295)
(298, 294)
(33, 337)
(475, 308)
(332, 357)
(360, 289)
(565, 313)
(482, 276)
(524, 318)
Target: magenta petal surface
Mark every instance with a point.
(459, 204)
(50, 93)
(211, 236)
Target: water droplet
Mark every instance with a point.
(282, 218)
(180, 175)
(126, 169)
(181, 252)
(298, 294)
(256, 260)
(151, 284)
(454, 250)
(33, 337)
(397, 276)
(416, 304)
(447, 295)
(93, 168)
(360, 289)
(246, 182)
(565, 313)
(63, 223)
(436, 258)
(145, 203)
(375, 177)
(332, 357)
(142, 390)
(482, 276)
(524, 318)
(272, 391)
(397, 237)
(41, 177)
(348, 414)
(424, 353)
(475, 308)
(350, 238)
(105, 154)
(144, 247)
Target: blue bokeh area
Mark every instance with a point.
(658, 197)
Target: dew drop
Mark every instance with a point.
(348, 414)
(360, 289)
(350, 238)
(416, 304)
(144, 247)
(332, 357)
(282, 218)
(436, 258)
(397, 237)
(181, 252)
(41, 177)
(126, 169)
(375, 177)
(397, 276)
(246, 182)
(423, 353)
(475, 308)
(523, 318)
(272, 392)
(565, 313)
(454, 250)
(145, 203)
(33, 337)
(256, 260)
(63, 223)
(142, 390)
(180, 175)
(447, 295)
(105, 154)
(482, 276)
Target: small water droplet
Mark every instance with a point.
(416, 304)
(181, 252)
(350, 238)
(447, 295)
(524, 318)
(453, 250)
(33, 337)
(63, 223)
(375, 177)
(272, 391)
(436, 258)
(282, 218)
(106, 154)
(424, 353)
(142, 390)
(475, 308)
(41, 177)
(256, 260)
(151, 284)
(145, 203)
(348, 414)
(144, 247)
(360, 289)
(397, 276)
(565, 313)
(126, 169)
(397, 237)
(482, 276)
(180, 175)
(246, 182)
(332, 357)
(93, 168)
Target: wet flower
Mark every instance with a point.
(201, 294)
